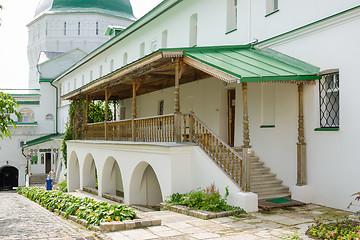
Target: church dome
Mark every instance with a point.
(118, 8)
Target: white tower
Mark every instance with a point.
(61, 26)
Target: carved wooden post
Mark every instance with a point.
(106, 112)
(301, 145)
(191, 126)
(87, 109)
(134, 112)
(177, 119)
(115, 103)
(246, 148)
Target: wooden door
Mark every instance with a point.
(231, 116)
(47, 162)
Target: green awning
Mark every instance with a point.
(42, 139)
(249, 64)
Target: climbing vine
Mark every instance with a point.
(76, 127)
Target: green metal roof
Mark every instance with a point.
(118, 8)
(42, 139)
(250, 64)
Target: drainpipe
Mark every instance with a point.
(57, 105)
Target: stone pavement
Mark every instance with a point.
(20, 218)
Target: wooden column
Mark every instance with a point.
(301, 145)
(177, 120)
(87, 109)
(246, 148)
(115, 102)
(106, 112)
(134, 112)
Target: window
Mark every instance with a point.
(27, 116)
(231, 23)
(79, 25)
(100, 70)
(49, 117)
(271, 6)
(82, 80)
(46, 29)
(154, 46)
(125, 58)
(112, 65)
(161, 107)
(97, 28)
(91, 76)
(193, 30)
(329, 100)
(164, 39)
(64, 28)
(142, 49)
(74, 83)
(69, 89)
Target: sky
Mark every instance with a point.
(15, 15)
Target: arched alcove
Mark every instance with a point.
(111, 178)
(144, 186)
(9, 176)
(73, 172)
(89, 172)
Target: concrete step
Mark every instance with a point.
(260, 170)
(274, 196)
(38, 179)
(263, 176)
(269, 190)
(257, 164)
(266, 183)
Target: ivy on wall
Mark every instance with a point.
(76, 127)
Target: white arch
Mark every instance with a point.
(144, 187)
(73, 177)
(111, 178)
(89, 171)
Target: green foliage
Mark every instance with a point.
(93, 212)
(68, 135)
(8, 106)
(345, 229)
(97, 112)
(63, 186)
(208, 199)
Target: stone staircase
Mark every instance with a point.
(263, 182)
(38, 179)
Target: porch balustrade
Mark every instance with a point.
(162, 129)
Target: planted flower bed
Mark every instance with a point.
(342, 229)
(90, 212)
(205, 204)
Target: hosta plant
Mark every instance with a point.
(84, 208)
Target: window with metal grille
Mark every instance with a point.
(329, 100)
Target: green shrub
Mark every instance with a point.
(93, 212)
(208, 199)
(63, 186)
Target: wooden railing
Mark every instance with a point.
(151, 129)
(225, 156)
(155, 129)
(162, 129)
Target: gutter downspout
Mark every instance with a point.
(57, 106)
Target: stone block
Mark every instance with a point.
(129, 224)
(72, 218)
(146, 223)
(156, 222)
(137, 223)
(117, 226)
(106, 226)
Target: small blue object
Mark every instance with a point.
(48, 184)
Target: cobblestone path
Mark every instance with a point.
(20, 218)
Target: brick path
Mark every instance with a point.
(20, 218)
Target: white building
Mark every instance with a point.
(268, 71)
(61, 33)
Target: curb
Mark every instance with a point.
(116, 225)
(205, 215)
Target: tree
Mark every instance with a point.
(8, 106)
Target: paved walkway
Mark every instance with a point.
(21, 218)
